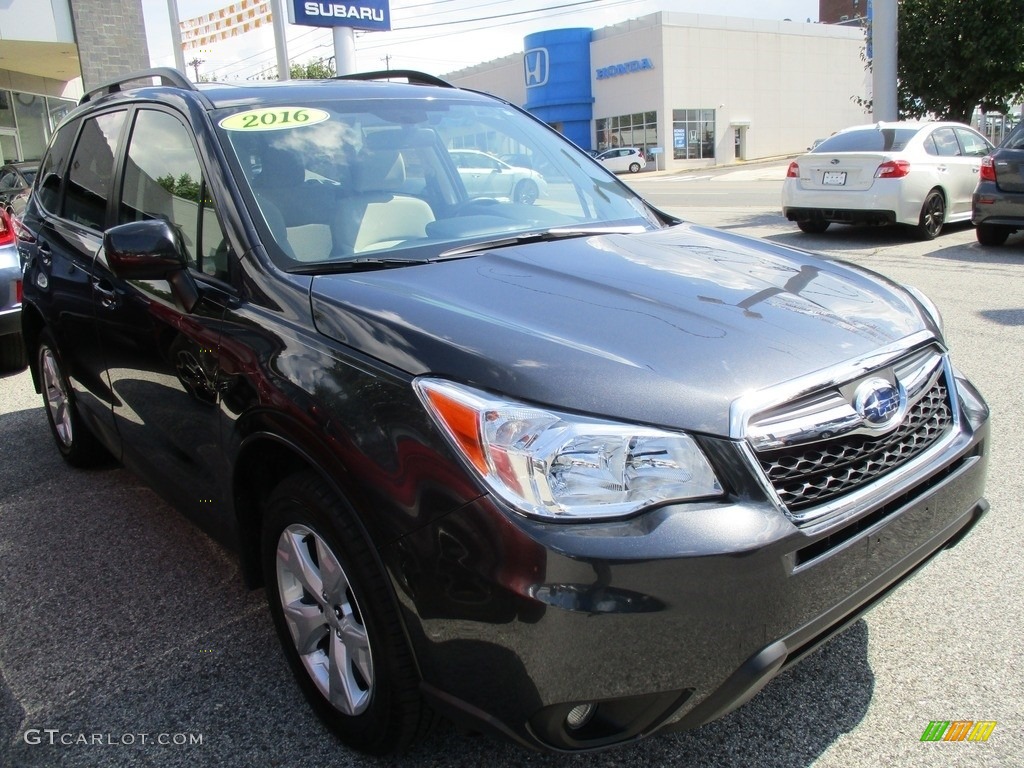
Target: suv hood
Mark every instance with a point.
(666, 327)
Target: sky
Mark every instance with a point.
(435, 37)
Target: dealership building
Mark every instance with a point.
(48, 48)
(692, 90)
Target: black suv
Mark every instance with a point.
(998, 203)
(559, 467)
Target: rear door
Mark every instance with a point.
(66, 222)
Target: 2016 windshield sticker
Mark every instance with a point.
(273, 119)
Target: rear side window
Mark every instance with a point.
(945, 142)
(1016, 138)
(92, 169)
(54, 166)
(868, 140)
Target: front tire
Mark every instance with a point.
(76, 443)
(337, 620)
(991, 234)
(933, 216)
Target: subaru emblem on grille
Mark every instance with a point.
(878, 402)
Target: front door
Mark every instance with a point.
(161, 358)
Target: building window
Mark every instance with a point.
(26, 123)
(693, 134)
(637, 130)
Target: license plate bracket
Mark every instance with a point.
(833, 178)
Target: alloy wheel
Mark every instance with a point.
(56, 396)
(324, 619)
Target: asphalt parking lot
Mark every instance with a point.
(128, 640)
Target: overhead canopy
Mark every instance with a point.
(57, 61)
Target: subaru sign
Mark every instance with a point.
(359, 14)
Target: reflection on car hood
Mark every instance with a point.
(665, 327)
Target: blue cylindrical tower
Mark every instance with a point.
(556, 65)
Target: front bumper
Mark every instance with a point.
(665, 621)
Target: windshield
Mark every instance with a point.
(868, 140)
(369, 180)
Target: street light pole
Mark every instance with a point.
(179, 55)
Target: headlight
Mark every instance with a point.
(561, 466)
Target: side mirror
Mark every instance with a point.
(151, 250)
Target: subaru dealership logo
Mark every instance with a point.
(537, 66)
(878, 402)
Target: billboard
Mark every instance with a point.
(359, 14)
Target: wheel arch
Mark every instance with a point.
(32, 325)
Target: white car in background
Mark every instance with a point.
(484, 175)
(919, 174)
(622, 159)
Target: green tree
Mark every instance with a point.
(312, 70)
(955, 55)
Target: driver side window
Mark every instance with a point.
(164, 179)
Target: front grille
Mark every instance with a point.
(812, 474)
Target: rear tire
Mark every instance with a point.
(991, 234)
(933, 216)
(75, 441)
(813, 226)
(12, 352)
(337, 621)
(634, 167)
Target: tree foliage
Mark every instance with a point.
(955, 55)
(312, 70)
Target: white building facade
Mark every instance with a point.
(691, 90)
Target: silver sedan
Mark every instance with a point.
(918, 174)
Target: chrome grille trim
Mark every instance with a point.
(932, 428)
(806, 476)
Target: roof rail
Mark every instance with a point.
(166, 75)
(414, 77)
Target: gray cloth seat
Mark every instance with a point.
(299, 212)
(377, 215)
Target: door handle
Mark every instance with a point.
(108, 296)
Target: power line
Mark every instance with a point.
(233, 69)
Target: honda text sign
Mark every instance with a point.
(361, 14)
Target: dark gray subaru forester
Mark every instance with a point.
(504, 444)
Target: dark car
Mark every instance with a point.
(571, 472)
(998, 203)
(15, 181)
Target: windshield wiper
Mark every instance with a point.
(362, 263)
(543, 236)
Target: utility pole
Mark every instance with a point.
(387, 62)
(195, 65)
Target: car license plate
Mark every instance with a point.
(834, 178)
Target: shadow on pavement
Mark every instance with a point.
(121, 618)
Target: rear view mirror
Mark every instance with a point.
(151, 250)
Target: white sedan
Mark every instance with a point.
(919, 174)
(484, 175)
